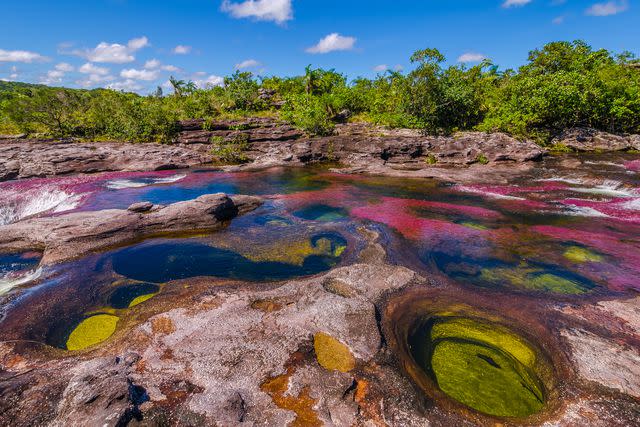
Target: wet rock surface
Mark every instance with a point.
(72, 235)
(229, 353)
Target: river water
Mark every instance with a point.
(568, 230)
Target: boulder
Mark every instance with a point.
(72, 235)
(587, 139)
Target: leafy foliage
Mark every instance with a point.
(563, 85)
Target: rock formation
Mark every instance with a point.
(69, 236)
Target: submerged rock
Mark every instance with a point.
(72, 235)
(482, 365)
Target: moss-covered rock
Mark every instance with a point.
(332, 354)
(480, 364)
(91, 331)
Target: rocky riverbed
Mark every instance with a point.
(503, 293)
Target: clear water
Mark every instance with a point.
(556, 233)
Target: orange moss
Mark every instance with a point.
(162, 325)
(302, 404)
(266, 305)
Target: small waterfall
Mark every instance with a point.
(11, 281)
(18, 205)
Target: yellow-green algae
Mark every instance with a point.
(332, 354)
(141, 299)
(484, 366)
(292, 252)
(581, 255)
(529, 278)
(91, 331)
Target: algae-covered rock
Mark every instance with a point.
(533, 279)
(581, 255)
(91, 331)
(128, 296)
(482, 365)
(332, 354)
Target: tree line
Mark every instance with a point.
(562, 85)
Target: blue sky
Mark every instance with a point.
(137, 44)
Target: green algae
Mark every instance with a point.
(491, 334)
(91, 331)
(485, 379)
(482, 365)
(581, 255)
(533, 279)
(322, 213)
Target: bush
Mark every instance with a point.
(230, 150)
(309, 113)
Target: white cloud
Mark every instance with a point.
(182, 49)
(151, 64)
(126, 86)
(278, 11)
(558, 20)
(133, 74)
(170, 68)
(95, 80)
(249, 63)
(381, 68)
(609, 8)
(90, 68)
(515, 3)
(21, 56)
(471, 57)
(113, 53)
(137, 44)
(64, 67)
(333, 42)
(52, 77)
(210, 81)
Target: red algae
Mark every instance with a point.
(398, 214)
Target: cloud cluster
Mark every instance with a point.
(515, 3)
(333, 42)
(113, 53)
(279, 11)
(609, 8)
(471, 57)
(21, 56)
(249, 63)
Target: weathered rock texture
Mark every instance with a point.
(586, 139)
(28, 158)
(361, 147)
(71, 235)
(225, 353)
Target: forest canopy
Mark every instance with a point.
(562, 85)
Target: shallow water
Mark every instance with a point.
(559, 233)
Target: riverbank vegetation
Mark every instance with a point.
(563, 85)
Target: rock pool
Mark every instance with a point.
(555, 238)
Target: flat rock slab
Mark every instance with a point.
(69, 236)
(28, 159)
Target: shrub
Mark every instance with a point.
(230, 150)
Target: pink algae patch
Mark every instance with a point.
(623, 209)
(621, 275)
(633, 165)
(399, 214)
